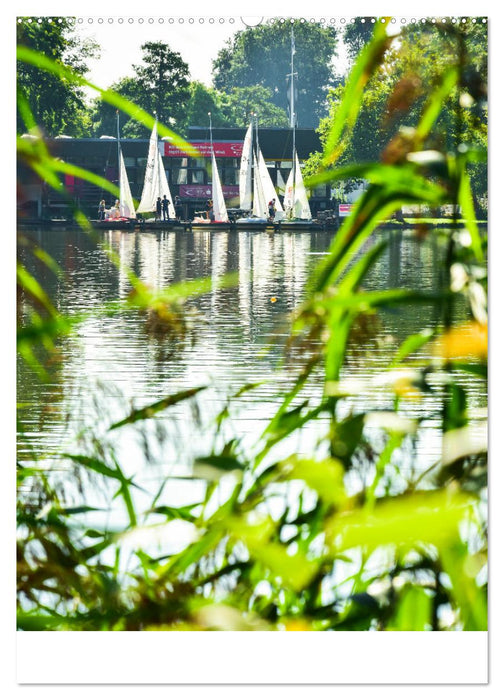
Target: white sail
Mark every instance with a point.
(219, 205)
(260, 207)
(289, 194)
(280, 183)
(295, 200)
(245, 180)
(301, 206)
(267, 184)
(126, 206)
(155, 182)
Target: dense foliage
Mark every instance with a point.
(356, 541)
(400, 89)
(262, 56)
(58, 107)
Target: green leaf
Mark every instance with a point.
(404, 521)
(346, 116)
(66, 74)
(467, 206)
(345, 436)
(172, 513)
(323, 476)
(413, 612)
(148, 411)
(94, 464)
(412, 344)
(213, 467)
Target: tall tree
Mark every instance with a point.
(159, 85)
(262, 56)
(58, 106)
(239, 103)
(163, 82)
(356, 35)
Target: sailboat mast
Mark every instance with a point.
(118, 153)
(293, 115)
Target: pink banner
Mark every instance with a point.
(224, 149)
(205, 191)
(345, 209)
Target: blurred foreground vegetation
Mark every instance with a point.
(339, 540)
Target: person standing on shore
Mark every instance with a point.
(179, 210)
(165, 203)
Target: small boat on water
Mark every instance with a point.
(118, 224)
(156, 189)
(122, 215)
(297, 209)
(256, 188)
(216, 217)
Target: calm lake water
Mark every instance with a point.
(111, 364)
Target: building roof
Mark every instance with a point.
(276, 143)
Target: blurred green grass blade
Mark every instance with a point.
(412, 344)
(92, 463)
(435, 103)
(323, 476)
(151, 410)
(469, 597)
(44, 63)
(172, 513)
(358, 271)
(414, 611)
(348, 110)
(403, 521)
(402, 178)
(34, 289)
(467, 207)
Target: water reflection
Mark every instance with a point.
(112, 363)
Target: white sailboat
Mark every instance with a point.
(268, 186)
(253, 168)
(126, 206)
(295, 199)
(219, 204)
(122, 214)
(155, 182)
(218, 213)
(297, 209)
(245, 181)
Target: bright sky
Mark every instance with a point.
(197, 41)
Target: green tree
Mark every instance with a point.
(356, 35)
(241, 102)
(400, 87)
(163, 82)
(160, 85)
(203, 100)
(57, 106)
(262, 56)
(104, 115)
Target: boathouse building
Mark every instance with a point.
(188, 177)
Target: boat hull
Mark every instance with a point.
(252, 224)
(299, 226)
(211, 225)
(171, 224)
(113, 224)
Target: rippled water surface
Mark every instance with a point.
(237, 336)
